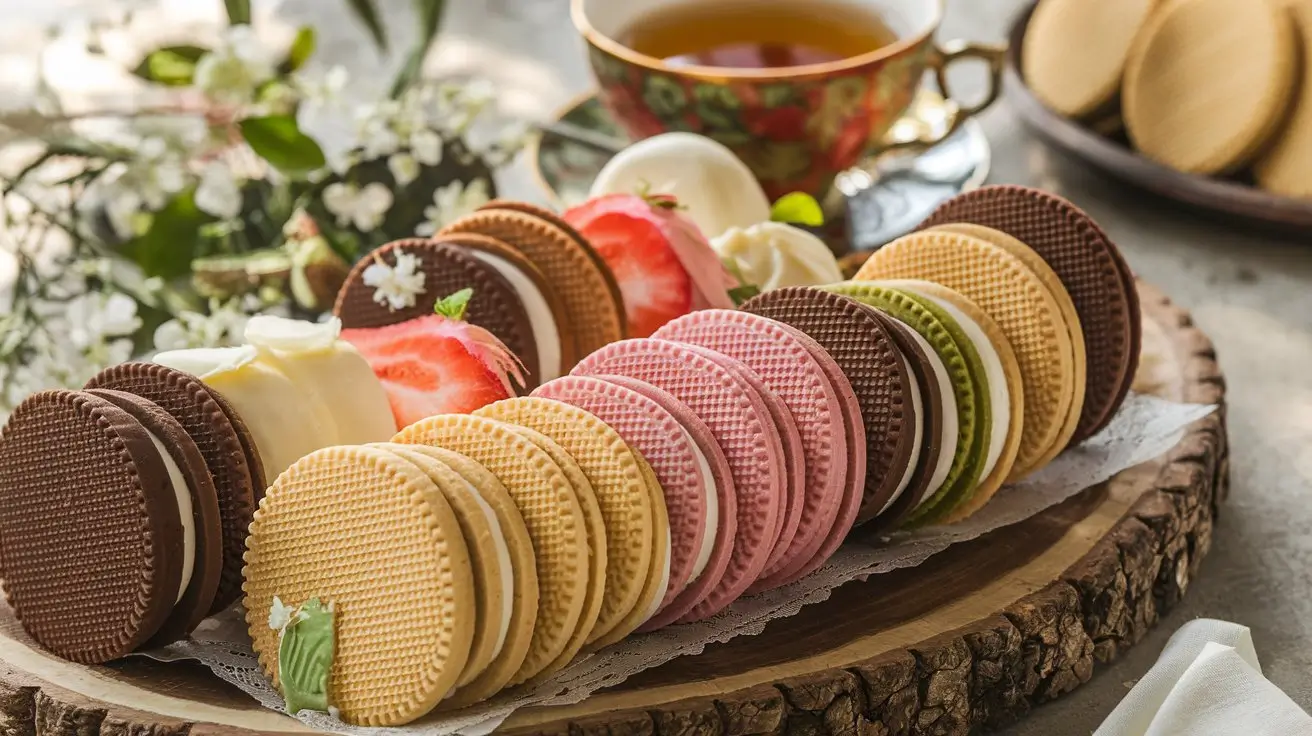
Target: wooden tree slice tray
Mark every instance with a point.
(974, 637)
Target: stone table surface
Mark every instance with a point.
(1251, 292)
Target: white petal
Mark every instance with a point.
(218, 193)
(339, 198)
(404, 168)
(427, 147)
(377, 274)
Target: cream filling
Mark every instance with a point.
(951, 421)
(665, 581)
(712, 529)
(999, 396)
(178, 482)
(546, 335)
(918, 436)
(503, 562)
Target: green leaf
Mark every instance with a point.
(799, 209)
(166, 248)
(302, 49)
(174, 66)
(239, 12)
(743, 293)
(454, 306)
(368, 14)
(278, 140)
(305, 657)
(430, 21)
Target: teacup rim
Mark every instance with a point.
(715, 73)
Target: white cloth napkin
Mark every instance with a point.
(1207, 682)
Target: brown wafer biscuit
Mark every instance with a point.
(368, 534)
(1209, 82)
(587, 290)
(550, 507)
(1092, 269)
(259, 479)
(206, 532)
(857, 340)
(91, 540)
(195, 407)
(495, 306)
(556, 347)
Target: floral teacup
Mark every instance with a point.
(796, 127)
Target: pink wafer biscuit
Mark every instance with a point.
(742, 425)
(670, 451)
(790, 372)
(726, 526)
(790, 515)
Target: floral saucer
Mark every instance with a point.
(884, 199)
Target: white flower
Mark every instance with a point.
(233, 71)
(363, 208)
(404, 168)
(280, 614)
(222, 327)
(172, 335)
(452, 201)
(122, 208)
(218, 193)
(427, 146)
(94, 316)
(396, 286)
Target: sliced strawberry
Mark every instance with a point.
(433, 365)
(653, 281)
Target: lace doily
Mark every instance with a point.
(1145, 428)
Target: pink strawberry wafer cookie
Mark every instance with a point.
(742, 425)
(790, 372)
(790, 515)
(682, 470)
(726, 523)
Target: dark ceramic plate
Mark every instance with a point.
(1230, 199)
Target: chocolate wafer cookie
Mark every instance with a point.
(196, 408)
(1091, 268)
(202, 560)
(862, 347)
(496, 305)
(91, 538)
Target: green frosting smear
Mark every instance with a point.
(305, 654)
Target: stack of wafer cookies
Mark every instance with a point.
(730, 452)
(1211, 87)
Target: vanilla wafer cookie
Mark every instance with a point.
(622, 494)
(552, 513)
(524, 604)
(1074, 52)
(324, 530)
(1001, 285)
(587, 289)
(1210, 82)
(657, 574)
(489, 555)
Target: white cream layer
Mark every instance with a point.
(999, 396)
(951, 420)
(918, 432)
(665, 581)
(178, 482)
(507, 572)
(546, 334)
(712, 503)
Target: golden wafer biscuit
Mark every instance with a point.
(325, 529)
(481, 541)
(1070, 317)
(524, 609)
(1074, 52)
(1023, 308)
(1286, 166)
(552, 513)
(656, 578)
(990, 484)
(1209, 82)
(622, 494)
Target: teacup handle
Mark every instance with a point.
(942, 58)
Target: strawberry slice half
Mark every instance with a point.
(435, 365)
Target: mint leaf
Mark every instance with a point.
(305, 657)
(454, 306)
(743, 293)
(173, 66)
(798, 208)
(278, 140)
